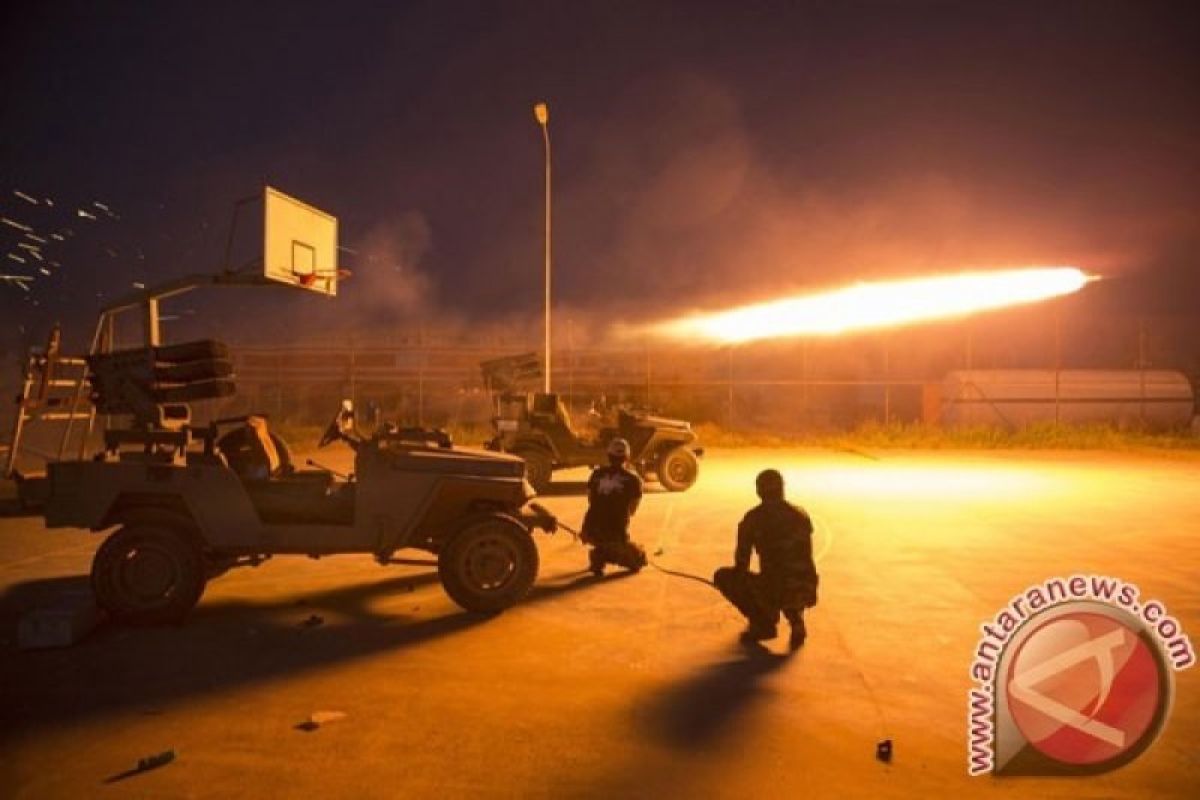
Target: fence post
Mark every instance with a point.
(570, 362)
(421, 376)
(647, 373)
(804, 380)
(1057, 360)
(887, 380)
(1142, 370)
(731, 387)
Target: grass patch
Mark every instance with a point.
(1042, 436)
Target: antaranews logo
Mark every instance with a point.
(1072, 677)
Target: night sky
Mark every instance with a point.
(705, 154)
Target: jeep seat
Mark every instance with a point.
(251, 451)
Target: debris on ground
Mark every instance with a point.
(72, 616)
(313, 621)
(318, 718)
(659, 552)
(145, 765)
(883, 751)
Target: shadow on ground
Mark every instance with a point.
(704, 707)
(223, 644)
(703, 713)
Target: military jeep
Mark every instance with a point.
(189, 502)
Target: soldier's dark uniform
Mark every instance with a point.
(781, 534)
(612, 494)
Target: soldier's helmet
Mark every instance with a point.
(769, 484)
(618, 448)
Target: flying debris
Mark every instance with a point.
(44, 271)
(85, 214)
(13, 223)
(57, 236)
(16, 257)
(49, 202)
(111, 214)
(139, 285)
(35, 237)
(25, 197)
(112, 253)
(28, 246)
(19, 280)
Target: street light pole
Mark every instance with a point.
(542, 114)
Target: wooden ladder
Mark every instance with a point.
(54, 392)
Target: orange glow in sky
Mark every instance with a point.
(884, 304)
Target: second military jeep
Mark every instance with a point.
(538, 428)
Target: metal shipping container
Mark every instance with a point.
(1155, 399)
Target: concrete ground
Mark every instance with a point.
(626, 686)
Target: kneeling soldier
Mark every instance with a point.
(614, 493)
(781, 534)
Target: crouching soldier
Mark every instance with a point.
(614, 493)
(781, 534)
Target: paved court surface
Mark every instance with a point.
(627, 686)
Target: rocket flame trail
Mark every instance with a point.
(885, 304)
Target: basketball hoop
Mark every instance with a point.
(299, 244)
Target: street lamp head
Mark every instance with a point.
(541, 113)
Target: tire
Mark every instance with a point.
(148, 573)
(539, 467)
(678, 469)
(488, 565)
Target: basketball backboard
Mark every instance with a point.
(299, 243)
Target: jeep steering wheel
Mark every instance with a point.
(341, 426)
(331, 434)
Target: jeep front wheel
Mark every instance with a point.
(489, 565)
(146, 574)
(539, 467)
(678, 469)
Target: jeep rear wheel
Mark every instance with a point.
(539, 467)
(146, 574)
(489, 565)
(678, 469)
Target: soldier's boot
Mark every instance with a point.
(634, 557)
(759, 631)
(795, 618)
(596, 561)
